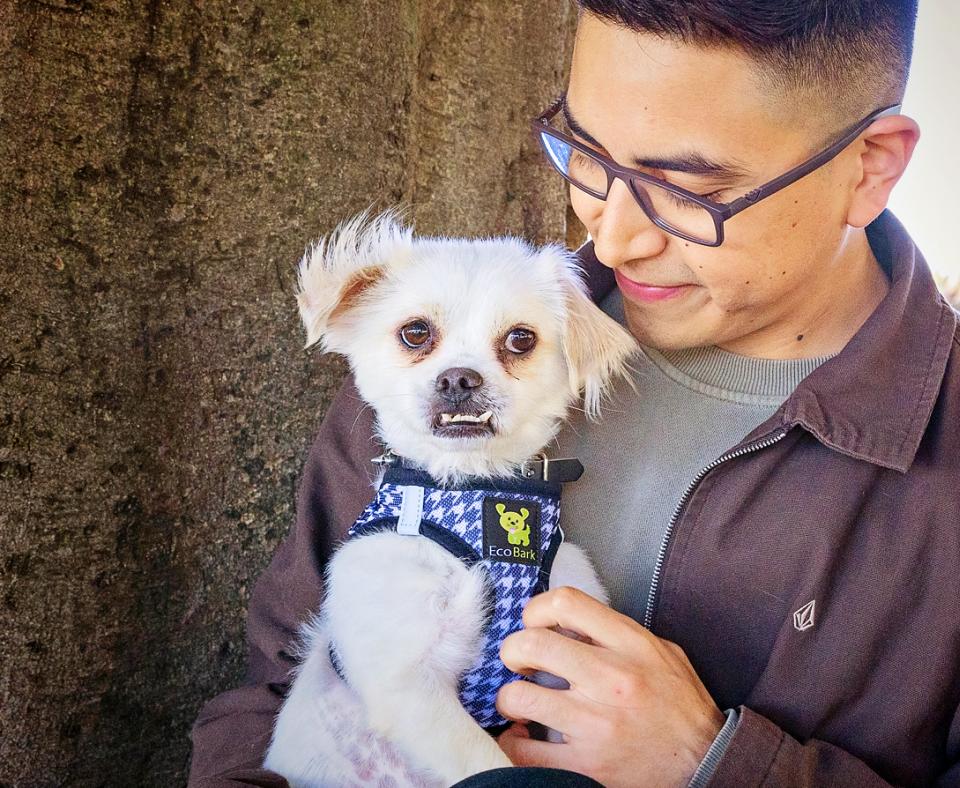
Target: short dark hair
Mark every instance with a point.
(855, 51)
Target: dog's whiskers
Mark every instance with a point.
(366, 406)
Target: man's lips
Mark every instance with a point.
(641, 291)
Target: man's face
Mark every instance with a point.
(643, 98)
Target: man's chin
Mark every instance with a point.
(665, 336)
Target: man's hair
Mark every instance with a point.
(857, 52)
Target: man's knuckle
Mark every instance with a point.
(508, 648)
(565, 597)
(505, 693)
(512, 697)
(674, 649)
(645, 649)
(526, 644)
(526, 647)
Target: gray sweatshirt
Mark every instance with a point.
(684, 410)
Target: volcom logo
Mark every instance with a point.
(804, 617)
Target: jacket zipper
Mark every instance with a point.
(763, 443)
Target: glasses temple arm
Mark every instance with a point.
(806, 167)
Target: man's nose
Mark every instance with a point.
(456, 385)
(624, 232)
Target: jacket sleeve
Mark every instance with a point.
(761, 754)
(232, 732)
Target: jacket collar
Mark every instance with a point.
(872, 400)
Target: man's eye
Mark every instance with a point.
(682, 202)
(579, 160)
(520, 340)
(714, 196)
(416, 335)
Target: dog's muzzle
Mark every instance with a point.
(459, 409)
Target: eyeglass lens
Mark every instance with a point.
(674, 212)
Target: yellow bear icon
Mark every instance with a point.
(518, 531)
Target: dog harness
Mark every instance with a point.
(510, 526)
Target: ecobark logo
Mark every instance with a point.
(804, 617)
(511, 530)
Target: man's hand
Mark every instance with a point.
(635, 714)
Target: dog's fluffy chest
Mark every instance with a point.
(511, 528)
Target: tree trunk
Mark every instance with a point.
(164, 165)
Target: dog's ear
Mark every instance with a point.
(338, 269)
(597, 348)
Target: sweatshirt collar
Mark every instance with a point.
(872, 400)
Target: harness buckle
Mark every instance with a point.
(568, 469)
(536, 464)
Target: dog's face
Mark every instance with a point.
(470, 352)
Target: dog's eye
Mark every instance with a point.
(520, 340)
(415, 335)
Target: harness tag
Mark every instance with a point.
(411, 511)
(511, 531)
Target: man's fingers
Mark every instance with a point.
(524, 700)
(529, 650)
(530, 752)
(518, 730)
(570, 608)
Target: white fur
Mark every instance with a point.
(405, 615)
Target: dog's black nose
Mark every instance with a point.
(457, 383)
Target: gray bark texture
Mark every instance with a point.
(164, 164)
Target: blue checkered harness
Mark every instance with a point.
(452, 517)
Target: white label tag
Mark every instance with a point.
(411, 511)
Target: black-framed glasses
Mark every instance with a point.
(672, 208)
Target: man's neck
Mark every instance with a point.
(831, 312)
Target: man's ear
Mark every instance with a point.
(337, 269)
(889, 144)
(597, 348)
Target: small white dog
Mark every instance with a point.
(470, 353)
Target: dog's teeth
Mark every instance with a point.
(457, 418)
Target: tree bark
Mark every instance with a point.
(164, 166)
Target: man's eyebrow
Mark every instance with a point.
(693, 163)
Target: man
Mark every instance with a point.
(775, 510)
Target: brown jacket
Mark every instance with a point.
(847, 498)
